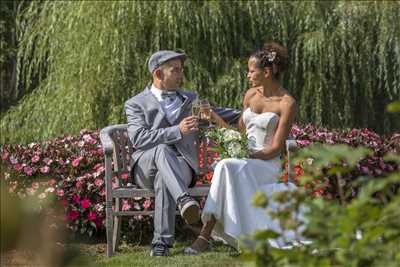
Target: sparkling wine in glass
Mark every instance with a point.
(196, 108)
(205, 112)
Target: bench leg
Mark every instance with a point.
(109, 230)
(117, 226)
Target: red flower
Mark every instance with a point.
(92, 216)
(76, 198)
(85, 203)
(124, 176)
(73, 215)
(18, 166)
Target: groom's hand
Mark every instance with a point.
(188, 125)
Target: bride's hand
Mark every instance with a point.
(256, 154)
(215, 118)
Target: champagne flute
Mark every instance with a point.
(205, 111)
(196, 108)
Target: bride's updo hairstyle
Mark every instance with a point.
(273, 56)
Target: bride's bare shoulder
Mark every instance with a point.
(248, 95)
(288, 102)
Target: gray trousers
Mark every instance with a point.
(162, 169)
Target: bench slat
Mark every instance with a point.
(126, 192)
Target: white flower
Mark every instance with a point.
(234, 149)
(99, 207)
(271, 56)
(42, 196)
(49, 190)
(6, 176)
(31, 145)
(231, 135)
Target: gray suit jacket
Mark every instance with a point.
(149, 127)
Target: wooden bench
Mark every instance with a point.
(117, 152)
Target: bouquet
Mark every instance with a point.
(228, 143)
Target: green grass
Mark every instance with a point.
(128, 255)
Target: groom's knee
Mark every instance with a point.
(165, 151)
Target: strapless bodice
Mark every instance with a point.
(260, 128)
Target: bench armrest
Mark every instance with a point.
(106, 141)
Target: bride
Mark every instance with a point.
(268, 113)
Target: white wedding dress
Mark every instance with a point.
(236, 180)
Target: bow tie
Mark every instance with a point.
(169, 96)
(168, 93)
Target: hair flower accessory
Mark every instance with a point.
(271, 55)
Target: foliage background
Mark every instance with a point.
(79, 61)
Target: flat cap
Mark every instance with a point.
(162, 56)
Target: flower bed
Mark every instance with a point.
(70, 169)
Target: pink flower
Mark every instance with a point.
(18, 166)
(60, 192)
(92, 216)
(47, 161)
(102, 192)
(100, 169)
(76, 198)
(98, 165)
(52, 182)
(146, 203)
(83, 131)
(85, 203)
(78, 185)
(125, 205)
(35, 185)
(45, 169)
(98, 182)
(124, 176)
(76, 161)
(35, 159)
(5, 155)
(303, 142)
(28, 170)
(73, 215)
(89, 139)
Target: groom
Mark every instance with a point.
(162, 131)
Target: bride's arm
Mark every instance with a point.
(218, 120)
(288, 110)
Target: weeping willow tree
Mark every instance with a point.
(89, 57)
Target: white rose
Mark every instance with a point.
(231, 135)
(234, 149)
